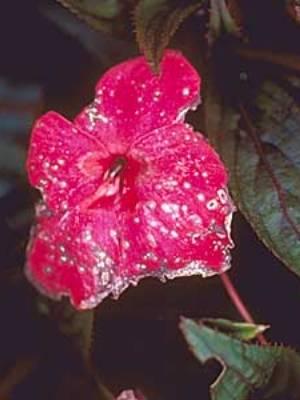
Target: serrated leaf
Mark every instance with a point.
(238, 330)
(258, 139)
(246, 367)
(97, 13)
(156, 21)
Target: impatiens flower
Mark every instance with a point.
(128, 189)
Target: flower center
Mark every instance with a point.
(117, 185)
(118, 165)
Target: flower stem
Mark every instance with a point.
(239, 304)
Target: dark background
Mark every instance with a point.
(137, 343)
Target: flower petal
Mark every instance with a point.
(75, 255)
(63, 162)
(135, 101)
(129, 190)
(182, 221)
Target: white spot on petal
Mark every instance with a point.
(170, 208)
(200, 197)
(187, 185)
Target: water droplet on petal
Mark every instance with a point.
(200, 197)
(222, 196)
(48, 269)
(140, 267)
(185, 91)
(170, 208)
(105, 278)
(212, 204)
(187, 185)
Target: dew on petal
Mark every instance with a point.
(105, 278)
(126, 244)
(196, 219)
(185, 91)
(222, 196)
(63, 184)
(164, 230)
(201, 197)
(140, 267)
(87, 236)
(60, 161)
(170, 208)
(48, 269)
(212, 204)
(174, 234)
(187, 185)
(150, 256)
(151, 240)
(153, 223)
(166, 213)
(151, 204)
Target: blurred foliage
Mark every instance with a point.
(104, 15)
(108, 49)
(19, 106)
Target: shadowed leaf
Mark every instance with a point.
(107, 48)
(285, 380)
(156, 22)
(258, 139)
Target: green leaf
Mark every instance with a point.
(238, 330)
(271, 371)
(97, 13)
(285, 380)
(246, 367)
(156, 21)
(258, 139)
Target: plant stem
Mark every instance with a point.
(87, 319)
(77, 325)
(239, 304)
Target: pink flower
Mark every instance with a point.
(129, 190)
(130, 395)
